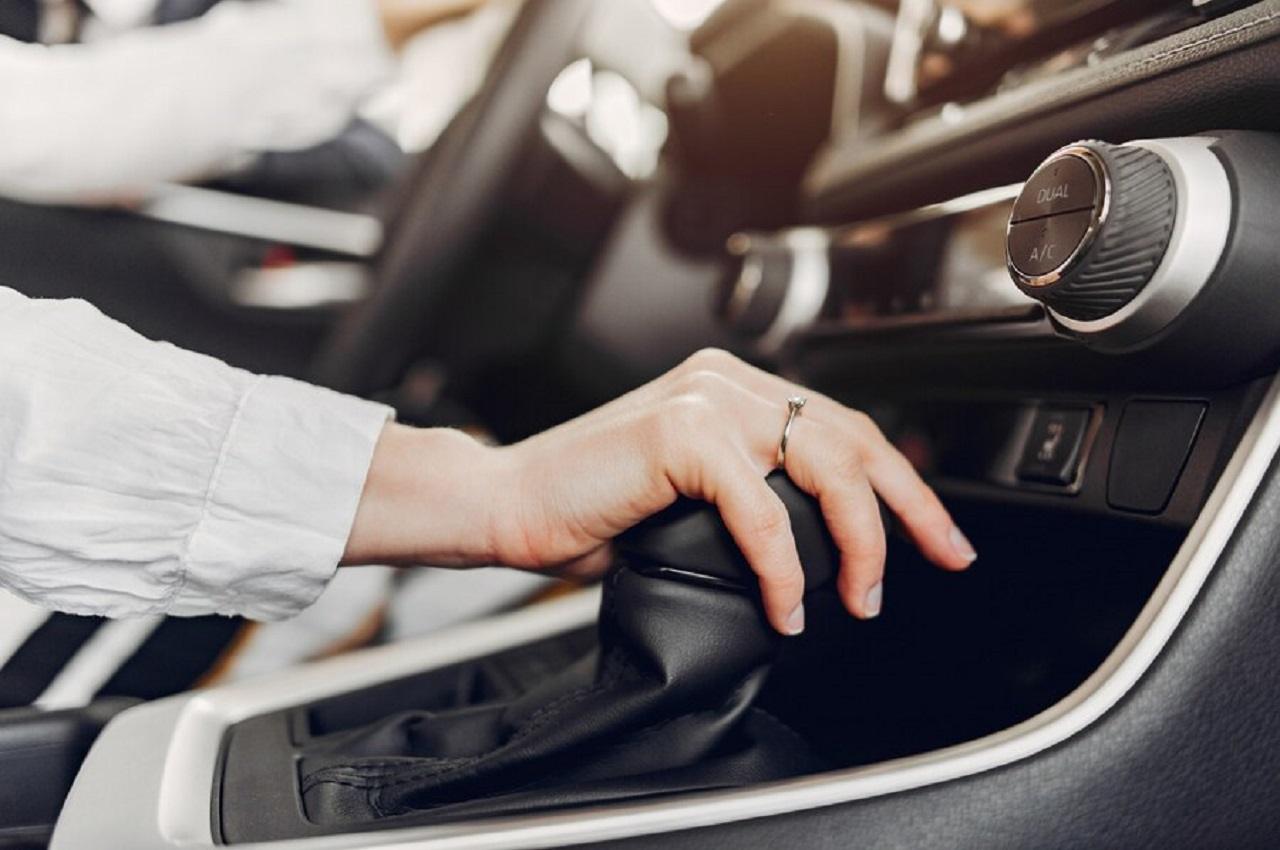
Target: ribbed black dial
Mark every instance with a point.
(1091, 227)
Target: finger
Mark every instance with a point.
(851, 512)
(914, 502)
(761, 527)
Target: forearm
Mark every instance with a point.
(430, 498)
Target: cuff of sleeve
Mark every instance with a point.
(281, 501)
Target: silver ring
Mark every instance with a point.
(794, 405)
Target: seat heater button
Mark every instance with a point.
(1051, 454)
(1066, 184)
(1043, 245)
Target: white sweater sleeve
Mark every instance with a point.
(182, 101)
(136, 477)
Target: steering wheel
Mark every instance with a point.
(454, 196)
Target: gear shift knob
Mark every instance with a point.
(689, 541)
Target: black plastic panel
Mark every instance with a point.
(40, 754)
(1152, 445)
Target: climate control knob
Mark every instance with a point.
(1091, 227)
(1117, 241)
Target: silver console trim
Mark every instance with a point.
(849, 234)
(352, 234)
(1202, 224)
(806, 290)
(168, 749)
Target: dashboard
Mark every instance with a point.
(1038, 258)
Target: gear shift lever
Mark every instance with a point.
(664, 705)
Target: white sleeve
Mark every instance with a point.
(137, 478)
(181, 101)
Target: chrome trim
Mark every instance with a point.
(1202, 223)
(301, 286)
(1096, 222)
(848, 234)
(353, 234)
(19, 619)
(168, 749)
(806, 290)
(750, 276)
(901, 80)
(96, 662)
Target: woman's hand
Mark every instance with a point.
(708, 429)
(403, 19)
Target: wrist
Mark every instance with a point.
(431, 497)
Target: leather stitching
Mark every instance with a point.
(362, 774)
(1204, 40)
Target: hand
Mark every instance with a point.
(403, 19)
(708, 429)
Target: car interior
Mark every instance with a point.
(1032, 239)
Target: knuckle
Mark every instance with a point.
(875, 548)
(867, 428)
(701, 382)
(864, 537)
(710, 359)
(866, 566)
(685, 415)
(788, 580)
(863, 421)
(849, 463)
(922, 506)
(771, 520)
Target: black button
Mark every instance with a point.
(1052, 452)
(1066, 184)
(1151, 448)
(1038, 247)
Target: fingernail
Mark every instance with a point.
(795, 621)
(962, 545)
(872, 603)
